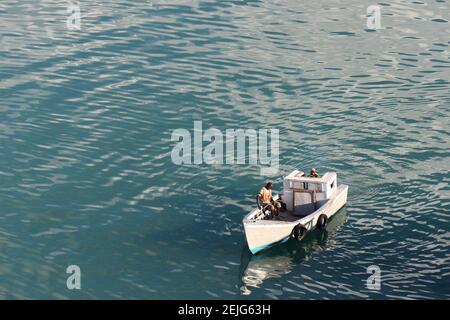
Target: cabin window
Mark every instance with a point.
(333, 184)
(312, 186)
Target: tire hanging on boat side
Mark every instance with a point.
(299, 232)
(322, 222)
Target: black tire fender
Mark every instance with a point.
(299, 232)
(322, 221)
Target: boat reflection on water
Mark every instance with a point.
(281, 259)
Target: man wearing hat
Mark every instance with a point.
(313, 173)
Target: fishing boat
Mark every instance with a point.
(310, 202)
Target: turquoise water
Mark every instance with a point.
(86, 176)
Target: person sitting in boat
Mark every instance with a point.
(265, 196)
(313, 173)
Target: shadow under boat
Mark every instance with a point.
(280, 260)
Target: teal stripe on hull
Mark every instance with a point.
(260, 248)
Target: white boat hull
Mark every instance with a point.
(262, 234)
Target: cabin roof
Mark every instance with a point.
(298, 175)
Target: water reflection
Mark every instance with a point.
(282, 259)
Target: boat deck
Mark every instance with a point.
(288, 216)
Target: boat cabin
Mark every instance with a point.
(304, 195)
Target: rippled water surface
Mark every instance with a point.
(86, 175)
